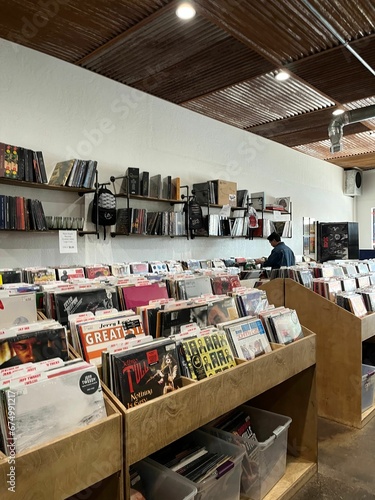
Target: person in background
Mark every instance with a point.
(280, 256)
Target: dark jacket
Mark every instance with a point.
(281, 255)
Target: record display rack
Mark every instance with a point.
(339, 337)
(157, 423)
(88, 459)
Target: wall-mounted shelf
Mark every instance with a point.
(38, 185)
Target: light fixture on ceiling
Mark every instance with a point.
(185, 11)
(338, 111)
(282, 75)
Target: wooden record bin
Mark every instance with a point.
(339, 337)
(88, 459)
(283, 381)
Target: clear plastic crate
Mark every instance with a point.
(225, 487)
(368, 381)
(263, 464)
(163, 484)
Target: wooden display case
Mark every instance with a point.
(284, 380)
(339, 352)
(88, 459)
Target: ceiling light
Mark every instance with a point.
(185, 11)
(282, 75)
(338, 111)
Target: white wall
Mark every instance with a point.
(67, 112)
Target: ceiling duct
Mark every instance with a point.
(338, 122)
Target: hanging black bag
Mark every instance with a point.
(104, 208)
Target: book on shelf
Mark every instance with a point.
(203, 194)
(10, 162)
(29, 165)
(242, 195)
(145, 184)
(167, 187)
(2, 159)
(257, 200)
(176, 188)
(156, 186)
(41, 167)
(123, 220)
(132, 174)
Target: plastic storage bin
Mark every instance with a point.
(227, 487)
(263, 466)
(368, 381)
(163, 484)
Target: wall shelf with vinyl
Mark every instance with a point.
(136, 220)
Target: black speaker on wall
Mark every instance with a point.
(353, 182)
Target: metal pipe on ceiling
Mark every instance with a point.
(336, 125)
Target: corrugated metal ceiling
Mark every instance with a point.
(221, 64)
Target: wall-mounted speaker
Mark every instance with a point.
(353, 182)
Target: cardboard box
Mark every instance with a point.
(226, 192)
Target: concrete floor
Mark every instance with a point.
(346, 466)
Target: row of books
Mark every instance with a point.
(19, 213)
(22, 164)
(140, 221)
(154, 186)
(216, 192)
(74, 173)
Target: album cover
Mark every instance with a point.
(146, 372)
(56, 406)
(76, 301)
(33, 346)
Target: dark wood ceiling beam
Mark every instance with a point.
(119, 39)
(364, 161)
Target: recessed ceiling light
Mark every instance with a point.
(282, 75)
(338, 111)
(185, 11)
